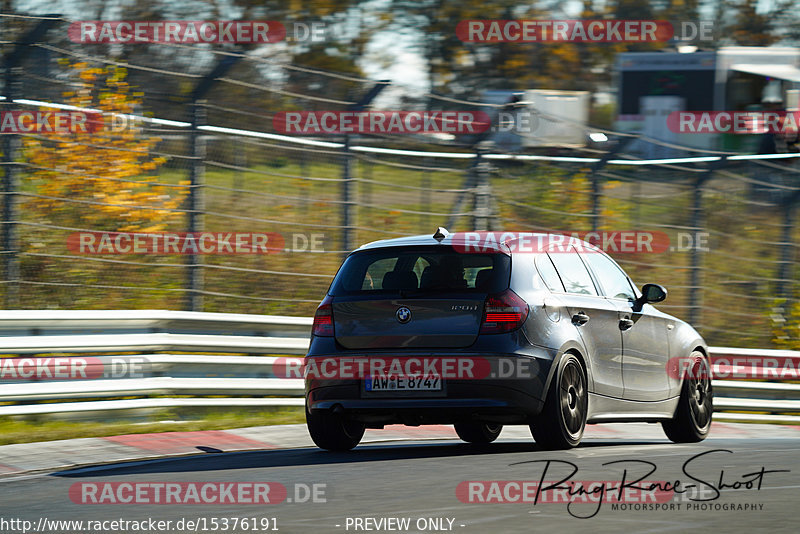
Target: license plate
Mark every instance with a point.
(403, 383)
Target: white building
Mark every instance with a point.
(651, 85)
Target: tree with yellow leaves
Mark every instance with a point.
(100, 178)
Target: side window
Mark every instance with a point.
(549, 274)
(573, 272)
(614, 282)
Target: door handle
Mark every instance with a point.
(580, 319)
(625, 323)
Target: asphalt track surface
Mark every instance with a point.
(418, 480)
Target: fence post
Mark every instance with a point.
(480, 214)
(696, 224)
(306, 184)
(365, 168)
(10, 241)
(195, 206)
(786, 266)
(240, 161)
(347, 179)
(345, 197)
(470, 180)
(595, 201)
(694, 254)
(636, 212)
(596, 179)
(197, 154)
(425, 196)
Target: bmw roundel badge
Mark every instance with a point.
(403, 315)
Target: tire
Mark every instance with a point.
(692, 419)
(563, 418)
(333, 432)
(475, 432)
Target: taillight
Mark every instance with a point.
(323, 319)
(503, 312)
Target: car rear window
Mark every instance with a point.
(423, 270)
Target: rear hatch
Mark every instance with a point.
(414, 297)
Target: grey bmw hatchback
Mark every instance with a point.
(481, 330)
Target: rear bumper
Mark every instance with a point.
(483, 403)
(515, 399)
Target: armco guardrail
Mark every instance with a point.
(228, 361)
(153, 342)
(56, 322)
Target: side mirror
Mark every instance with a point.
(650, 293)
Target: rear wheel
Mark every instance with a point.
(692, 419)
(476, 432)
(563, 419)
(332, 431)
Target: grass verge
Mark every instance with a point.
(33, 430)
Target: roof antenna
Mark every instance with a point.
(440, 234)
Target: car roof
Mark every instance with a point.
(503, 242)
